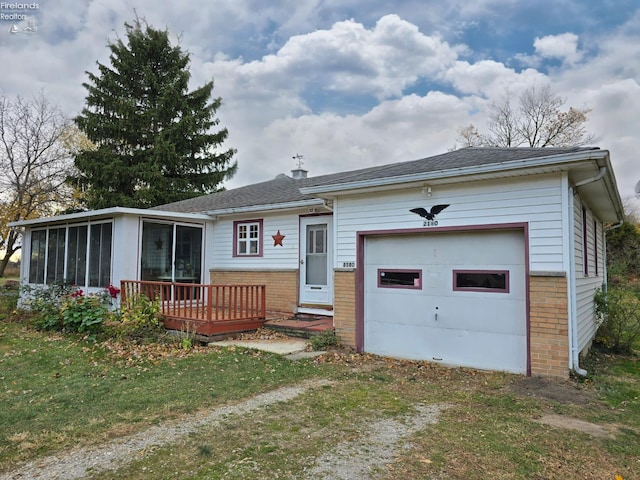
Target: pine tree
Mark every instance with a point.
(152, 137)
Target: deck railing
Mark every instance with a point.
(200, 302)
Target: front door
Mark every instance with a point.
(316, 279)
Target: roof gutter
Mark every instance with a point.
(580, 156)
(269, 207)
(601, 173)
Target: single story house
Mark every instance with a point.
(480, 257)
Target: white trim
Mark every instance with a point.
(109, 212)
(315, 311)
(267, 207)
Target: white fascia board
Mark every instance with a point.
(557, 160)
(269, 207)
(108, 212)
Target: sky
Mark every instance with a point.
(350, 84)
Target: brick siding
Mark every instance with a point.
(549, 334)
(344, 307)
(281, 286)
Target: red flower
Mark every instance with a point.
(113, 291)
(77, 293)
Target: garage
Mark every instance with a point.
(455, 297)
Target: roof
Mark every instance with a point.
(280, 190)
(284, 190)
(589, 171)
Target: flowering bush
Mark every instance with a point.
(66, 308)
(83, 314)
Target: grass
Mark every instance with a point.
(57, 392)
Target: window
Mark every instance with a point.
(396, 278)
(171, 252)
(481, 280)
(61, 255)
(247, 238)
(55, 255)
(595, 246)
(77, 255)
(585, 254)
(38, 255)
(316, 255)
(100, 255)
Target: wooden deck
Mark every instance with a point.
(200, 308)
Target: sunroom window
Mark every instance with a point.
(77, 254)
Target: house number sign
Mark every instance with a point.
(348, 264)
(429, 215)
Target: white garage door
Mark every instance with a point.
(455, 298)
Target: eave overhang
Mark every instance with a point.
(109, 213)
(312, 202)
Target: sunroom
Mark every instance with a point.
(95, 249)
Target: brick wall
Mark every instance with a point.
(281, 286)
(549, 334)
(344, 306)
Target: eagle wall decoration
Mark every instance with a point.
(429, 215)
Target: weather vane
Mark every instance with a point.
(298, 158)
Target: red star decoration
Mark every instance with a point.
(277, 239)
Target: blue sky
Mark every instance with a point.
(354, 83)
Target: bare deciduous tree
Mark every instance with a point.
(537, 121)
(34, 161)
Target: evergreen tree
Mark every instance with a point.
(152, 137)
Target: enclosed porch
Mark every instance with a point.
(207, 310)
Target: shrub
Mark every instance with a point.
(618, 311)
(83, 314)
(44, 303)
(139, 317)
(324, 339)
(64, 307)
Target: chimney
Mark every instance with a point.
(299, 173)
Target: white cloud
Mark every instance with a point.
(269, 61)
(563, 47)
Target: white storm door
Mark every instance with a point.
(316, 279)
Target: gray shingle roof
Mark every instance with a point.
(284, 189)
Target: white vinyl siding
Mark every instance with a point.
(586, 285)
(273, 257)
(536, 200)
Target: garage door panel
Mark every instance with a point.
(484, 329)
(468, 316)
(491, 351)
(410, 339)
(413, 312)
(448, 346)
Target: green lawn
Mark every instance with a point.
(57, 392)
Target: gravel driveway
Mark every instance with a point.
(377, 444)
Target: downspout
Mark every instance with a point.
(573, 319)
(573, 307)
